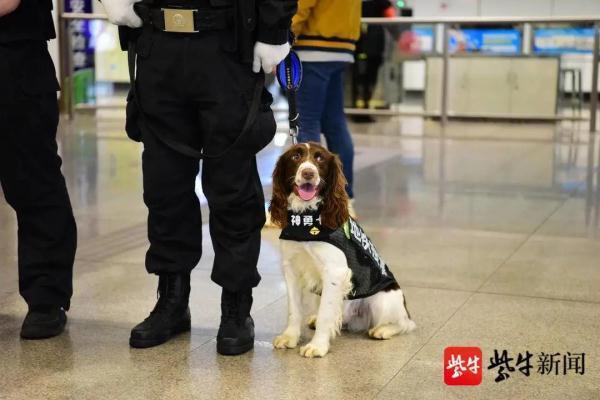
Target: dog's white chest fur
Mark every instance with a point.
(315, 262)
(322, 268)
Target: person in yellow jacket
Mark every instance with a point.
(326, 33)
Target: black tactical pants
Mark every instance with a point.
(193, 91)
(30, 174)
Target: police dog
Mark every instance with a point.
(321, 248)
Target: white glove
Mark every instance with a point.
(268, 56)
(120, 12)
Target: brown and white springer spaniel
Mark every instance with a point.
(306, 177)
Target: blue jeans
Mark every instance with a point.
(321, 108)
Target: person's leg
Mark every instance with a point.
(373, 65)
(235, 197)
(175, 235)
(311, 100)
(236, 200)
(174, 219)
(334, 125)
(35, 188)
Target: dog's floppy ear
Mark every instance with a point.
(278, 205)
(335, 199)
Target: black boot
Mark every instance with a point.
(43, 323)
(236, 333)
(170, 316)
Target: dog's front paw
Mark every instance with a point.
(285, 341)
(312, 350)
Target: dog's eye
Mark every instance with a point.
(296, 157)
(319, 158)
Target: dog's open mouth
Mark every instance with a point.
(307, 191)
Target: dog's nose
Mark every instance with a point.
(308, 174)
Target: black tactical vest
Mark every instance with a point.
(370, 274)
(32, 20)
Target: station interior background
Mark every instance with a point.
(491, 224)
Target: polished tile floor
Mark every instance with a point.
(492, 229)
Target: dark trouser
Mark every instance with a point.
(30, 175)
(194, 92)
(365, 77)
(321, 108)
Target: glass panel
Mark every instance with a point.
(100, 73)
(573, 46)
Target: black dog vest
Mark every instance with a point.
(370, 274)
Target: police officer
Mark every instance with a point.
(199, 94)
(30, 166)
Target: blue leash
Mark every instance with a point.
(289, 76)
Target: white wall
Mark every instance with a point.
(577, 7)
(438, 8)
(516, 8)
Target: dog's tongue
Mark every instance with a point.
(307, 191)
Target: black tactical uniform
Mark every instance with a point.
(369, 56)
(30, 166)
(195, 93)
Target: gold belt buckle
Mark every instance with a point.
(177, 20)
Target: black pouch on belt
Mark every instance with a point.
(139, 44)
(132, 121)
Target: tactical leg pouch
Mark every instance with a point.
(132, 121)
(264, 128)
(140, 45)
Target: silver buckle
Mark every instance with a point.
(178, 20)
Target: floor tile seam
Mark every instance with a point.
(172, 363)
(108, 325)
(112, 237)
(91, 244)
(519, 247)
(129, 264)
(462, 305)
(111, 138)
(121, 231)
(523, 154)
(448, 229)
(427, 341)
(437, 136)
(457, 290)
(498, 139)
(104, 248)
(524, 296)
(446, 289)
(106, 253)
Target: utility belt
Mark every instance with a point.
(186, 19)
(192, 16)
(182, 20)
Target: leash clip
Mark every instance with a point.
(294, 131)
